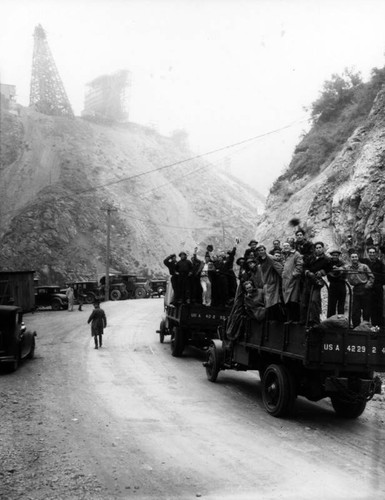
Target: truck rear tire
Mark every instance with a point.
(347, 409)
(177, 342)
(278, 390)
(162, 331)
(212, 363)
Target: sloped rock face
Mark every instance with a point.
(59, 175)
(346, 197)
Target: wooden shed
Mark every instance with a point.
(17, 287)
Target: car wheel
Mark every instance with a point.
(177, 342)
(90, 299)
(56, 305)
(140, 293)
(278, 392)
(212, 364)
(115, 295)
(162, 330)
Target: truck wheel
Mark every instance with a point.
(177, 342)
(347, 409)
(278, 392)
(212, 364)
(56, 305)
(140, 293)
(90, 299)
(162, 331)
(115, 295)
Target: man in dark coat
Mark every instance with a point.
(196, 289)
(183, 273)
(337, 284)
(302, 245)
(98, 322)
(252, 249)
(316, 266)
(376, 293)
(276, 247)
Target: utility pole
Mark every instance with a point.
(108, 209)
(223, 234)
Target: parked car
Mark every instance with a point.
(88, 289)
(158, 287)
(16, 342)
(50, 296)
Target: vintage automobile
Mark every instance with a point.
(158, 287)
(50, 296)
(88, 290)
(16, 342)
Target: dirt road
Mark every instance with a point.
(129, 420)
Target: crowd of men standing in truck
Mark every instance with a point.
(285, 282)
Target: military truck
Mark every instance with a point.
(189, 324)
(330, 359)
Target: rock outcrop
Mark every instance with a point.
(58, 174)
(345, 197)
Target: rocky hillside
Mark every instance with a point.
(58, 175)
(344, 195)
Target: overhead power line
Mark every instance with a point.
(180, 162)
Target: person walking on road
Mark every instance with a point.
(98, 322)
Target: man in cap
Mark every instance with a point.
(316, 266)
(183, 272)
(377, 291)
(252, 249)
(337, 284)
(361, 279)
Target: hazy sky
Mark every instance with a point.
(222, 70)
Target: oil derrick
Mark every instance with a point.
(47, 93)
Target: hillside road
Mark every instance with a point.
(130, 421)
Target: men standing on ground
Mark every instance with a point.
(376, 293)
(70, 297)
(337, 284)
(361, 278)
(316, 266)
(291, 279)
(98, 322)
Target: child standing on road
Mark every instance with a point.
(98, 322)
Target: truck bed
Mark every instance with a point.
(317, 348)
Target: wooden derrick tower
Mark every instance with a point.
(47, 94)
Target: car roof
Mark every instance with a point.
(48, 286)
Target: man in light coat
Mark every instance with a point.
(271, 271)
(291, 281)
